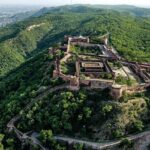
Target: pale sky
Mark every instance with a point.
(141, 3)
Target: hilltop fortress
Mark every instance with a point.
(99, 66)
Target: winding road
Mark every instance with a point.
(22, 136)
(95, 145)
(102, 145)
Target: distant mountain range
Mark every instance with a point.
(28, 101)
(133, 10)
(11, 14)
(129, 27)
(138, 11)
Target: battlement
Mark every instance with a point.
(99, 71)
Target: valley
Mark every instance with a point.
(11, 14)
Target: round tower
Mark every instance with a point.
(116, 91)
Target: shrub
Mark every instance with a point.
(125, 142)
(78, 146)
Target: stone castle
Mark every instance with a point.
(95, 70)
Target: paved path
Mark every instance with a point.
(102, 145)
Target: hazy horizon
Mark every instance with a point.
(48, 3)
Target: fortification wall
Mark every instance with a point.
(85, 82)
(138, 88)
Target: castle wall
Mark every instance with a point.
(101, 84)
(85, 82)
(116, 91)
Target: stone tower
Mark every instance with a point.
(56, 72)
(117, 91)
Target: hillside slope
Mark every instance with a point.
(85, 113)
(18, 42)
(133, 10)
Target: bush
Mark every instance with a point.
(78, 146)
(1, 139)
(126, 143)
(33, 94)
(124, 81)
(138, 125)
(118, 133)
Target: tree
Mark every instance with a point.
(138, 125)
(117, 133)
(10, 143)
(46, 135)
(1, 139)
(87, 112)
(33, 94)
(67, 126)
(106, 109)
(125, 142)
(78, 146)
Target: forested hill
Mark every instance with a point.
(132, 10)
(27, 87)
(128, 34)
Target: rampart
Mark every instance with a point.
(116, 91)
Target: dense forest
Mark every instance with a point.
(83, 114)
(26, 70)
(128, 34)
